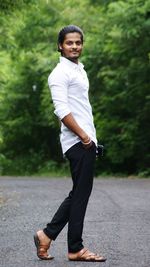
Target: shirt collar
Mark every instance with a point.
(71, 64)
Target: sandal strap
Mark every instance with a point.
(83, 251)
(85, 255)
(90, 255)
(43, 246)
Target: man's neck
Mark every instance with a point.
(74, 60)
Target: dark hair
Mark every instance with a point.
(65, 30)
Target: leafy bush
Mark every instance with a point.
(116, 57)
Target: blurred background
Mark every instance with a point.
(116, 57)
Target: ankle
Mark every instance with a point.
(43, 236)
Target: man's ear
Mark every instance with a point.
(60, 47)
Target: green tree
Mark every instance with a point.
(122, 103)
(116, 57)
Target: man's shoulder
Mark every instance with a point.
(59, 72)
(55, 69)
(60, 67)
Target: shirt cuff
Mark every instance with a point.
(62, 113)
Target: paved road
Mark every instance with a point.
(117, 221)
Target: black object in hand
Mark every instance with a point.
(100, 150)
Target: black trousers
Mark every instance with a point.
(73, 208)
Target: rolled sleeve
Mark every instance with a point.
(58, 84)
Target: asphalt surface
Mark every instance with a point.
(117, 222)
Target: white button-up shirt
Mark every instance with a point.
(69, 87)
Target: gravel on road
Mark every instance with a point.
(117, 222)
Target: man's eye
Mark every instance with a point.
(69, 43)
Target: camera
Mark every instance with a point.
(100, 150)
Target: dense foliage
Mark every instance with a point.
(116, 57)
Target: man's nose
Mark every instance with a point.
(74, 45)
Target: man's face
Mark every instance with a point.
(72, 46)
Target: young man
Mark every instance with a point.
(69, 87)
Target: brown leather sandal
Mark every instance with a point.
(42, 249)
(86, 255)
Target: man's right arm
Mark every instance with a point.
(59, 90)
(72, 125)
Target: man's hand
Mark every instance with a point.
(71, 124)
(88, 143)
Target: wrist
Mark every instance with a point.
(88, 142)
(85, 138)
